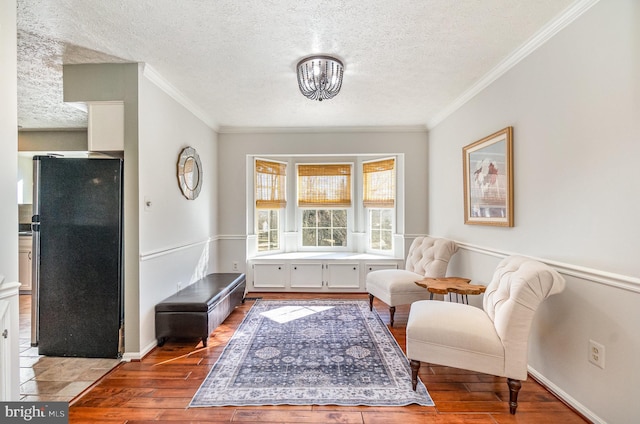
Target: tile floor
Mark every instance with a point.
(46, 378)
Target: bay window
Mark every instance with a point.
(349, 205)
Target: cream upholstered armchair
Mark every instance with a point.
(428, 257)
(492, 340)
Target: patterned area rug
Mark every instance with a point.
(318, 352)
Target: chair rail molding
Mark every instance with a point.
(611, 279)
(231, 237)
(153, 254)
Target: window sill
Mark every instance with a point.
(319, 255)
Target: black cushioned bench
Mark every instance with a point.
(199, 308)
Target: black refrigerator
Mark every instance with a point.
(77, 307)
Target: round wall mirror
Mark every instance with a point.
(189, 173)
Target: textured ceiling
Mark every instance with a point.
(405, 61)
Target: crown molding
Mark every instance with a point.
(565, 18)
(152, 75)
(306, 130)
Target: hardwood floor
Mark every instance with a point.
(160, 387)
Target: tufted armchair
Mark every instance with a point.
(492, 340)
(428, 257)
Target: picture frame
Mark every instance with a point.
(488, 180)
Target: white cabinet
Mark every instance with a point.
(306, 275)
(269, 275)
(343, 275)
(24, 263)
(9, 342)
(315, 272)
(105, 130)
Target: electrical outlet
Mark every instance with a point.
(596, 354)
(235, 265)
(179, 285)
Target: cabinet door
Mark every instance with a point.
(5, 351)
(343, 275)
(24, 269)
(306, 275)
(269, 275)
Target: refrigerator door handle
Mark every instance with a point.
(35, 249)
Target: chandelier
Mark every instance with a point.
(320, 77)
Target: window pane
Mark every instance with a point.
(309, 237)
(274, 220)
(340, 218)
(309, 218)
(329, 230)
(375, 219)
(267, 229)
(325, 238)
(375, 239)
(386, 241)
(386, 221)
(340, 237)
(324, 218)
(381, 229)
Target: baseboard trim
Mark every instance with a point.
(137, 356)
(579, 408)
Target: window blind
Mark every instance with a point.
(379, 180)
(324, 185)
(270, 184)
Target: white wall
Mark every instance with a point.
(8, 142)
(575, 107)
(8, 193)
(175, 233)
(118, 82)
(234, 148)
(168, 242)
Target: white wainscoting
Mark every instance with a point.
(595, 305)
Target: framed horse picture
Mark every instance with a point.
(488, 180)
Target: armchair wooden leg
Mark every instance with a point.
(392, 312)
(370, 302)
(415, 366)
(514, 388)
